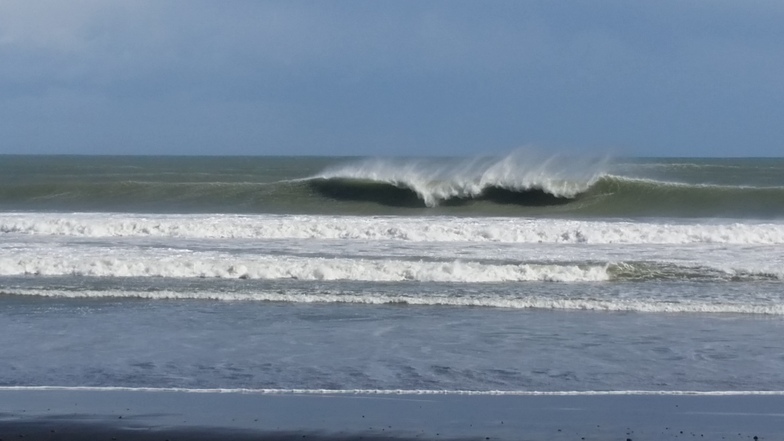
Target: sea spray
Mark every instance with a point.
(437, 181)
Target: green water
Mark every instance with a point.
(742, 188)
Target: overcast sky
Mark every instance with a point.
(654, 78)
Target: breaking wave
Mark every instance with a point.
(521, 178)
(551, 186)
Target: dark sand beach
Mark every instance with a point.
(145, 415)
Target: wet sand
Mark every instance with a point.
(146, 415)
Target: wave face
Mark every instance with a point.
(523, 183)
(562, 185)
(621, 196)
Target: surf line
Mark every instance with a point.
(390, 391)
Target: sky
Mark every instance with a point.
(391, 78)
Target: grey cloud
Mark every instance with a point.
(404, 76)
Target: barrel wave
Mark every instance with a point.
(597, 187)
(518, 178)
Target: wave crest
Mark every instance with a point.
(541, 179)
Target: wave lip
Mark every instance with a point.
(522, 177)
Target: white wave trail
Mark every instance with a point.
(194, 265)
(649, 305)
(567, 393)
(415, 229)
(436, 181)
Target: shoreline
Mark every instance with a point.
(48, 414)
(393, 392)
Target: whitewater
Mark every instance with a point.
(416, 229)
(560, 176)
(527, 273)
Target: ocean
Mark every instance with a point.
(526, 273)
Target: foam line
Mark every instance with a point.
(392, 391)
(651, 305)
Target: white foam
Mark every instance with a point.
(649, 305)
(436, 182)
(261, 391)
(213, 265)
(415, 229)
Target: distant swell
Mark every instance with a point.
(621, 196)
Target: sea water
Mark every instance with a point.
(522, 274)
